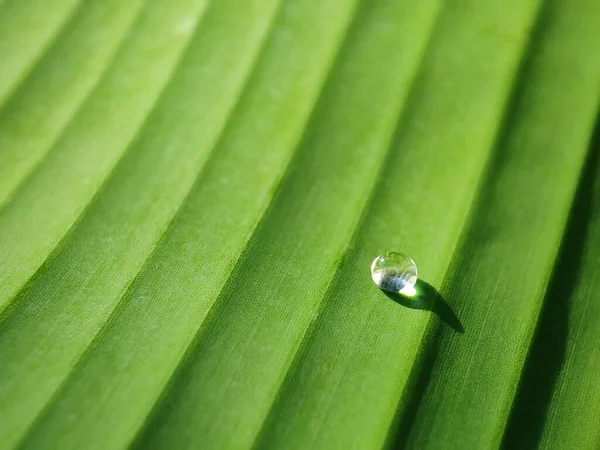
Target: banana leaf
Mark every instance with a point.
(192, 193)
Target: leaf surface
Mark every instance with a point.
(192, 191)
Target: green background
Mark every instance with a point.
(192, 192)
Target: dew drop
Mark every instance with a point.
(394, 272)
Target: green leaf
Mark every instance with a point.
(44, 103)
(559, 376)
(192, 191)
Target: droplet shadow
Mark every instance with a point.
(429, 299)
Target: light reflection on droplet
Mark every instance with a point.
(409, 291)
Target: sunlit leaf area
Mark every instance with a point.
(194, 195)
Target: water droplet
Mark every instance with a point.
(394, 272)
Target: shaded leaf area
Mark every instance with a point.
(192, 191)
(564, 358)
